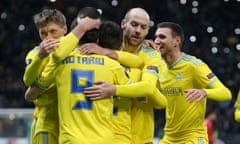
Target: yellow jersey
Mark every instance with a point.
(185, 120)
(45, 113)
(122, 111)
(82, 120)
(142, 113)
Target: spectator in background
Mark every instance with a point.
(209, 121)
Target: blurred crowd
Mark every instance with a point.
(212, 33)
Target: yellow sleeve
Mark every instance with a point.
(138, 89)
(66, 45)
(47, 76)
(147, 85)
(203, 77)
(237, 108)
(237, 115)
(46, 96)
(33, 68)
(237, 103)
(142, 89)
(128, 59)
(150, 77)
(153, 65)
(218, 92)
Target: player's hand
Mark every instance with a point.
(100, 90)
(91, 48)
(88, 23)
(32, 93)
(47, 46)
(150, 43)
(195, 95)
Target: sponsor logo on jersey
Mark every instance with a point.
(172, 91)
(179, 76)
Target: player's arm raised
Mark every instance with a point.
(70, 41)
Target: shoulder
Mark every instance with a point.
(195, 64)
(192, 60)
(110, 60)
(110, 63)
(33, 51)
(149, 51)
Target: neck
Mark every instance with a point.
(130, 48)
(172, 57)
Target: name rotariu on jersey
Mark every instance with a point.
(83, 60)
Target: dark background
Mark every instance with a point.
(18, 35)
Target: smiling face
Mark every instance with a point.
(135, 26)
(165, 41)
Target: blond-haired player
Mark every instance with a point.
(51, 25)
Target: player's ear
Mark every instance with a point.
(65, 29)
(178, 40)
(123, 24)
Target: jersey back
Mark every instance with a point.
(82, 120)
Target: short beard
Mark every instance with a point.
(128, 40)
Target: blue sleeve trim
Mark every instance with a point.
(39, 85)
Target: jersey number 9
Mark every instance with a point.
(80, 80)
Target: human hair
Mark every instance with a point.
(110, 35)
(176, 29)
(46, 16)
(90, 12)
(73, 24)
(90, 35)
